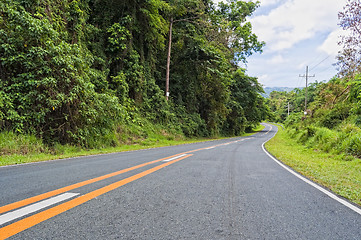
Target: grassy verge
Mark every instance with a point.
(27, 149)
(255, 130)
(72, 151)
(340, 173)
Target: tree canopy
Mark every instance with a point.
(72, 71)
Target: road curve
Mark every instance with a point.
(224, 189)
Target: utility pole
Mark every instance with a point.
(288, 109)
(168, 60)
(306, 76)
(171, 22)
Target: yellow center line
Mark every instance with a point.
(37, 198)
(43, 196)
(31, 221)
(21, 225)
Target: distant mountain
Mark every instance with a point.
(268, 90)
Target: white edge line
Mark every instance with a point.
(328, 193)
(7, 217)
(173, 158)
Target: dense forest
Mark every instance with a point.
(331, 120)
(86, 72)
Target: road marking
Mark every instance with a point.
(7, 217)
(40, 197)
(46, 195)
(16, 227)
(173, 158)
(328, 193)
(210, 148)
(31, 221)
(269, 129)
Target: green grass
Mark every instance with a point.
(13, 151)
(339, 172)
(61, 152)
(255, 130)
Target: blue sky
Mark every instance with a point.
(298, 33)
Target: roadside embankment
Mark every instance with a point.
(340, 173)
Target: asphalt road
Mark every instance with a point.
(227, 189)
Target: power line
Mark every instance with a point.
(299, 85)
(326, 68)
(320, 62)
(315, 59)
(306, 76)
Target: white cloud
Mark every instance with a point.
(296, 20)
(302, 65)
(330, 45)
(266, 3)
(298, 33)
(278, 59)
(264, 79)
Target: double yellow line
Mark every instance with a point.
(28, 222)
(32, 220)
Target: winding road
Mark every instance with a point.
(224, 189)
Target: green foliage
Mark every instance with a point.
(118, 37)
(336, 171)
(333, 117)
(248, 107)
(232, 21)
(81, 72)
(352, 145)
(49, 83)
(11, 143)
(293, 119)
(332, 123)
(326, 139)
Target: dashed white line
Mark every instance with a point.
(7, 217)
(174, 158)
(210, 148)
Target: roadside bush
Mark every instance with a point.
(346, 139)
(325, 139)
(352, 145)
(5, 107)
(292, 132)
(332, 118)
(293, 119)
(305, 134)
(349, 128)
(12, 143)
(192, 125)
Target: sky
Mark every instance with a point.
(298, 33)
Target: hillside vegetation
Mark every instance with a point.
(92, 73)
(331, 121)
(323, 139)
(325, 144)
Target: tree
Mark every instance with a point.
(186, 10)
(76, 71)
(349, 59)
(231, 21)
(246, 91)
